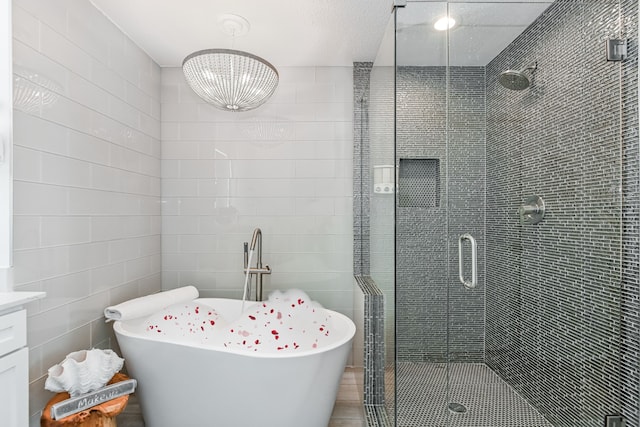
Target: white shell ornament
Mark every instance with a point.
(83, 371)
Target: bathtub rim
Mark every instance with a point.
(119, 327)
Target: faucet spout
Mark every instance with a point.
(257, 237)
(258, 270)
(256, 240)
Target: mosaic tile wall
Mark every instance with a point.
(361, 168)
(554, 318)
(539, 310)
(424, 289)
(373, 341)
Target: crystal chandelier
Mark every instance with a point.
(231, 80)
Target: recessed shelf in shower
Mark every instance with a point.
(419, 183)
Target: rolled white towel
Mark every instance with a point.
(144, 306)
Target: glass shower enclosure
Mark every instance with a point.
(496, 212)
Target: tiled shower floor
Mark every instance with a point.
(490, 402)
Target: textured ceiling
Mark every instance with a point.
(284, 32)
(322, 32)
(483, 30)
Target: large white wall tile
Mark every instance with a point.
(88, 148)
(279, 167)
(27, 164)
(26, 232)
(179, 225)
(139, 99)
(340, 77)
(54, 351)
(45, 75)
(298, 76)
(87, 28)
(124, 113)
(120, 63)
(107, 277)
(65, 289)
(47, 325)
(65, 171)
(88, 256)
(54, 45)
(88, 94)
(124, 250)
(108, 79)
(87, 176)
(84, 310)
(179, 187)
(34, 132)
(39, 199)
(26, 28)
(315, 92)
(174, 112)
(68, 113)
(46, 12)
(65, 230)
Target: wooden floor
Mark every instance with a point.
(347, 411)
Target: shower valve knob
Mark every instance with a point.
(531, 211)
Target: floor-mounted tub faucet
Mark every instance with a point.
(258, 270)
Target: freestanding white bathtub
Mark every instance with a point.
(196, 385)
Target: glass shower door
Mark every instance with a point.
(422, 230)
(508, 214)
(380, 397)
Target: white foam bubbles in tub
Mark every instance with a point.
(287, 322)
(189, 322)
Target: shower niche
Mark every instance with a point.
(419, 183)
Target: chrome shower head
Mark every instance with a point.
(516, 80)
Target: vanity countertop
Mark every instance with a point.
(9, 300)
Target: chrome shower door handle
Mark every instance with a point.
(474, 261)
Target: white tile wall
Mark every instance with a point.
(87, 225)
(285, 167)
(87, 177)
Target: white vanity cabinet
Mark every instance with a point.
(14, 369)
(14, 358)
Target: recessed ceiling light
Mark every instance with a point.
(444, 23)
